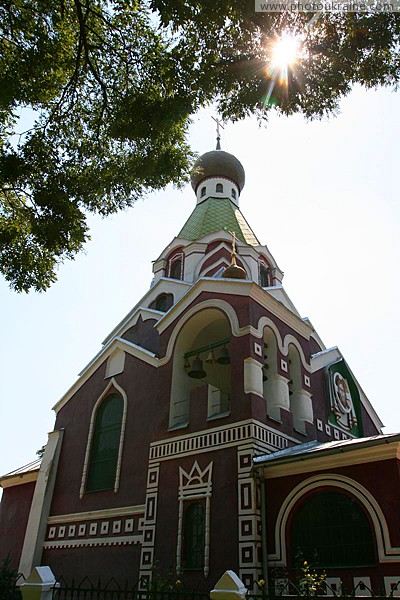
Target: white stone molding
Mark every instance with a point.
(229, 587)
(122, 511)
(115, 363)
(249, 519)
(362, 586)
(283, 344)
(253, 377)
(210, 183)
(222, 263)
(392, 585)
(302, 409)
(333, 586)
(216, 438)
(386, 552)
(279, 397)
(148, 524)
(195, 485)
(184, 295)
(224, 245)
(112, 384)
(122, 540)
(36, 527)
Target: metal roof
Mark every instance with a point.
(216, 214)
(33, 466)
(314, 448)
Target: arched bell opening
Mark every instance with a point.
(201, 359)
(300, 399)
(275, 388)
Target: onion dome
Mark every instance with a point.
(234, 272)
(218, 163)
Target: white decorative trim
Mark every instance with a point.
(192, 486)
(82, 529)
(386, 552)
(253, 377)
(35, 531)
(104, 527)
(129, 525)
(122, 511)
(328, 430)
(115, 363)
(112, 383)
(93, 528)
(307, 381)
(148, 524)
(284, 365)
(392, 585)
(71, 530)
(111, 541)
(320, 425)
(333, 586)
(61, 531)
(219, 437)
(249, 520)
(258, 349)
(362, 586)
(222, 286)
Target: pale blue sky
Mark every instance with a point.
(323, 196)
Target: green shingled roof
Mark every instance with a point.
(216, 214)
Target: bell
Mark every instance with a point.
(265, 378)
(187, 364)
(210, 360)
(197, 371)
(224, 358)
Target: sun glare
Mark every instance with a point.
(284, 51)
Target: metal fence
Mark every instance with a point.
(112, 590)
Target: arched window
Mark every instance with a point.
(219, 188)
(175, 270)
(203, 191)
(264, 275)
(105, 444)
(331, 530)
(193, 537)
(163, 302)
(233, 193)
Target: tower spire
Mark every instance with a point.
(219, 124)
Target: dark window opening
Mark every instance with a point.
(219, 188)
(332, 530)
(175, 271)
(193, 537)
(233, 193)
(203, 191)
(264, 276)
(163, 302)
(105, 445)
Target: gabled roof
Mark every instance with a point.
(216, 214)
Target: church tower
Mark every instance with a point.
(153, 449)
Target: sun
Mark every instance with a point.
(284, 51)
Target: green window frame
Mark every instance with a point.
(194, 537)
(331, 529)
(105, 444)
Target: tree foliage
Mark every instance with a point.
(112, 86)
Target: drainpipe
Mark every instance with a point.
(260, 479)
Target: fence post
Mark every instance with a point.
(39, 584)
(229, 587)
